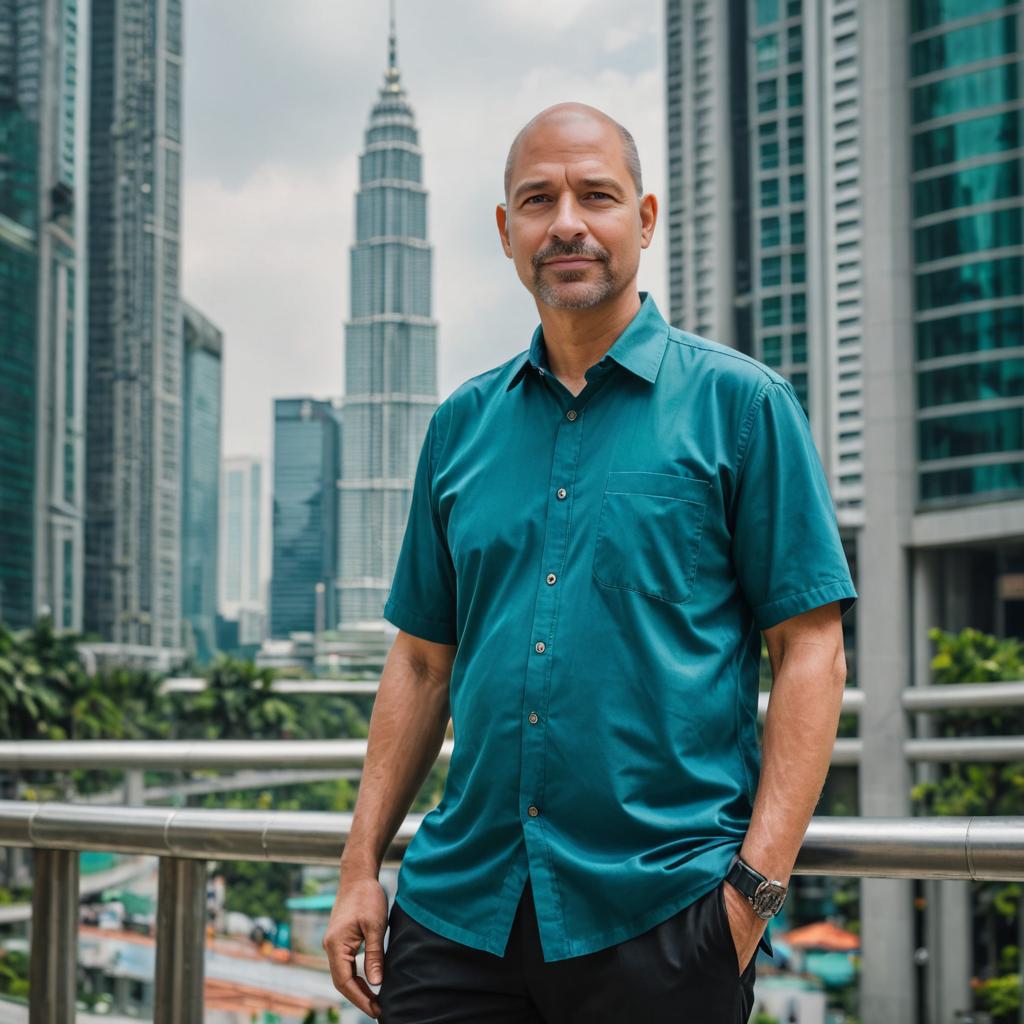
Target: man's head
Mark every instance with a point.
(575, 217)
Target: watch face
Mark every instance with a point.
(768, 899)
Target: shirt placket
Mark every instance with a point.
(543, 645)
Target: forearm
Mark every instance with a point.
(407, 728)
(799, 734)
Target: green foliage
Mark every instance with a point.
(763, 1017)
(14, 973)
(1001, 997)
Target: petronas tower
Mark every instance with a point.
(390, 353)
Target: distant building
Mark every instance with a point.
(135, 378)
(241, 599)
(200, 486)
(42, 310)
(390, 353)
(307, 450)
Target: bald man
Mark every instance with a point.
(601, 530)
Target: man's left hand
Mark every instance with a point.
(746, 927)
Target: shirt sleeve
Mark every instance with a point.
(786, 549)
(422, 596)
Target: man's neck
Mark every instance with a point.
(575, 339)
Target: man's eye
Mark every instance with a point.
(530, 199)
(599, 195)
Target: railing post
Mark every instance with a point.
(53, 967)
(180, 940)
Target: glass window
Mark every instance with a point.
(771, 271)
(794, 44)
(950, 483)
(984, 88)
(973, 433)
(798, 308)
(991, 230)
(796, 149)
(767, 95)
(971, 332)
(972, 282)
(798, 344)
(771, 346)
(965, 188)
(771, 311)
(767, 49)
(767, 11)
(798, 268)
(796, 188)
(770, 192)
(928, 13)
(795, 89)
(966, 139)
(799, 382)
(972, 382)
(769, 155)
(797, 228)
(771, 232)
(964, 46)
(793, 8)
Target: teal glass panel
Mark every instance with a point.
(797, 232)
(769, 155)
(971, 332)
(767, 95)
(964, 46)
(793, 8)
(796, 150)
(771, 271)
(973, 433)
(798, 268)
(796, 188)
(771, 311)
(794, 44)
(772, 349)
(795, 89)
(798, 347)
(798, 308)
(972, 186)
(971, 282)
(972, 382)
(799, 382)
(767, 50)
(990, 230)
(976, 137)
(771, 232)
(986, 88)
(770, 192)
(767, 11)
(929, 13)
(952, 483)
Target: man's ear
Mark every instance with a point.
(501, 217)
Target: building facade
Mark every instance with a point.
(200, 484)
(845, 204)
(307, 452)
(240, 575)
(135, 379)
(390, 353)
(43, 95)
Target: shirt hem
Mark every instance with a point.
(418, 625)
(774, 612)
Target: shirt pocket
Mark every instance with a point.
(649, 533)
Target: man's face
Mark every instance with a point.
(573, 222)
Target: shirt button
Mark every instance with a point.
(571, 414)
(540, 647)
(551, 578)
(561, 492)
(532, 811)
(533, 718)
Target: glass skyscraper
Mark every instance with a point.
(307, 449)
(390, 353)
(200, 485)
(42, 311)
(133, 533)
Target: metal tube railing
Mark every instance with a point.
(184, 839)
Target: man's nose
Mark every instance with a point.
(567, 223)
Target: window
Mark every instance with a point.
(771, 346)
(770, 192)
(767, 11)
(771, 232)
(771, 311)
(796, 228)
(971, 282)
(795, 89)
(966, 92)
(771, 271)
(798, 268)
(767, 95)
(980, 135)
(964, 46)
(796, 188)
(767, 50)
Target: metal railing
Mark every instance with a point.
(184, 839)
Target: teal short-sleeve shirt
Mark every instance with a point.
(605, 564)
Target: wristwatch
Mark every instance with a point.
(765, 895)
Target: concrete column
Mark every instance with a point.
(885, 641)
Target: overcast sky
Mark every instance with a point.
(277, 96)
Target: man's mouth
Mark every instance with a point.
(569, 262)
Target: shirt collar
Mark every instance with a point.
(639, 348)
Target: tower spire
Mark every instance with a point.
(391, 75)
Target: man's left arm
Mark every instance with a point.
(809, 673)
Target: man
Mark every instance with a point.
(600, 530)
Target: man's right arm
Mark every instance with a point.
(407, 727)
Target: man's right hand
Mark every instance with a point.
(360, 914)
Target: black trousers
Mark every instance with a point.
(682, 971)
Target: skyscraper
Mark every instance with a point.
(240, 580)
(390, 352)
(133, 494)
(200, 485)
(846, 200)
(42, 310)
(307, 449)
